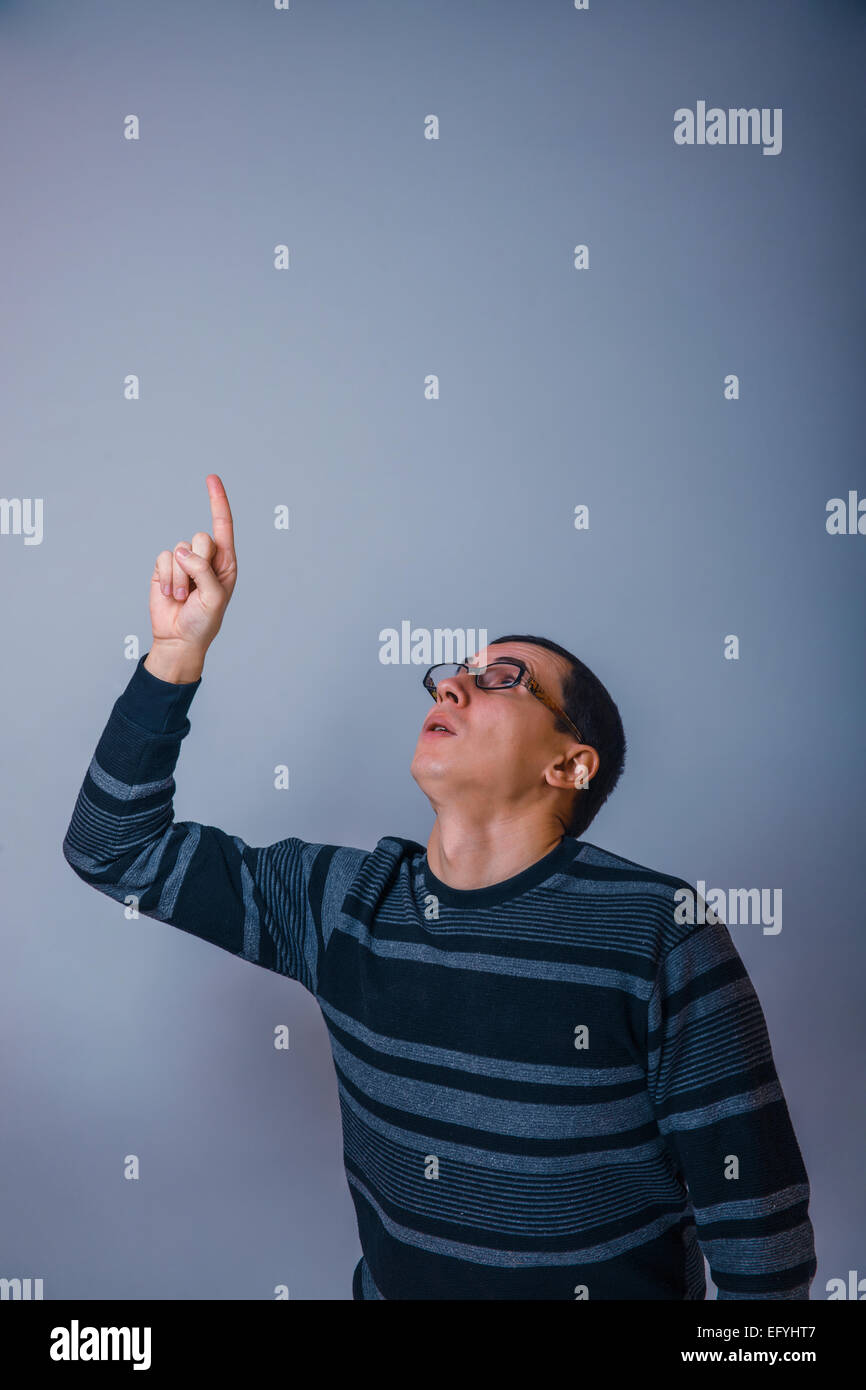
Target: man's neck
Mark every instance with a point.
(467, 854)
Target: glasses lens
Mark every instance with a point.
(499, 676)
(441, 673)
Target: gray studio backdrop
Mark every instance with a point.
(431, 171)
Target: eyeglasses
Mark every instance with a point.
(498, 675)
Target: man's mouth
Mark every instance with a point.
(439, 728)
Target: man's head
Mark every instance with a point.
(509, 753)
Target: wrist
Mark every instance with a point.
(174, 662)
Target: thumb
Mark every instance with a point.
(198, 568)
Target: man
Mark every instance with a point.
(551, 1087)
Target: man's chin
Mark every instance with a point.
(430, 764)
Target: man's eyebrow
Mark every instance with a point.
(493, 660)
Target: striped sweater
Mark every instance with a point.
(549, 1088)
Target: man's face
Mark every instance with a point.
(503, 741)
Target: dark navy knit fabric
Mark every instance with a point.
(550, 1088)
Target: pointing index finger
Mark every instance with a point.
(223, 526)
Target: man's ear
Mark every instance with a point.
(574, 768)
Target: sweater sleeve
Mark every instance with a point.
(720, 1107)
(263, 904)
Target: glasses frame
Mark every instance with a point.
(525, 678)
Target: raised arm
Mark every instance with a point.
(264, 904)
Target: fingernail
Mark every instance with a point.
(180, 593)
(181, 550)
(166, 589)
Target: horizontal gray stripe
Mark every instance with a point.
(753, 1206)
(496, 1158)
(760, 1254)
(509, 1118)
(503, 1068)
(516, 966)
(125, 791)
(721, 1109)
(518, 1259)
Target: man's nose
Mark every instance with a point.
(454, 688)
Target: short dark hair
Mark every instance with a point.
(590, 706)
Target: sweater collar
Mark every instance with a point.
(568, 849)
